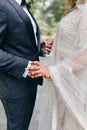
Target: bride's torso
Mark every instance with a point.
(67, 48)
(67, 32)
(66, 40)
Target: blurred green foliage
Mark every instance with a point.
(48, 14)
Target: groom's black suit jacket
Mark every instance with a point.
(17, 47)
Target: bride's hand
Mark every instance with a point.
(37, 69)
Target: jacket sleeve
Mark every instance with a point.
(9, 63)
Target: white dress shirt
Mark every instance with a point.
(35, 30)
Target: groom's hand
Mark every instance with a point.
(47, 45)
(37, 69)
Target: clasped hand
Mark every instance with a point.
(46, 45)
(37, 69)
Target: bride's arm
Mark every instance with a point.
(78, 63)
(74, 65)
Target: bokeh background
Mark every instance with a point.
(48, 13)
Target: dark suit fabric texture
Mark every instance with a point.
(17, 47)
(19, 111)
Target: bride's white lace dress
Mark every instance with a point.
(62, 103)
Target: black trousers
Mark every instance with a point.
(19, 111)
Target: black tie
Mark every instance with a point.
(23, 3)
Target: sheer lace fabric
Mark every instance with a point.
(62, 102)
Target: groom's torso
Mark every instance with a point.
(19, 40)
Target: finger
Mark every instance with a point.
(37, 63)
(36, 76)
(49, 42)
(32, 73)
(46, 43)
(33, 68)
(48, 46)
(47, 51)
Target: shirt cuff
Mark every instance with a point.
(26, 70)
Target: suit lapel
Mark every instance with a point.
(25, 19)
(38, 32)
